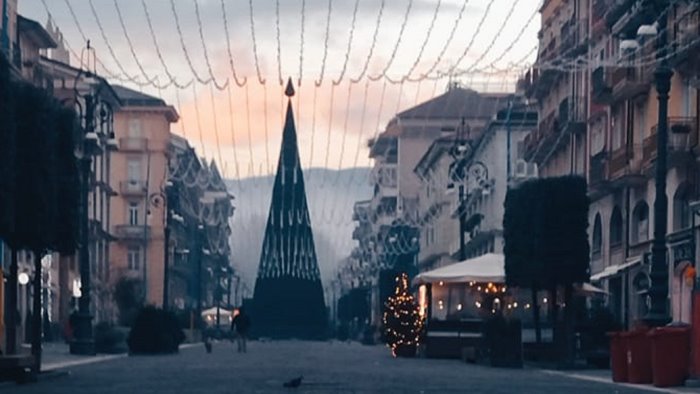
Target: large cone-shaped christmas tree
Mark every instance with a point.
(288, 299)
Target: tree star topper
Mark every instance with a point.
(289, 91)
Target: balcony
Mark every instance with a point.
(682, 137)
(573, 35)
(599, 28)
(625, 166)
(544, 135)
(129, 232)
(601, 81)
(132, 144)
(133, 188)
(686, 30)
(572, 115)
(630, 82)
(625, 17)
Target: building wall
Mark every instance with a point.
(132, 124)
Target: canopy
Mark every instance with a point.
(485, 268)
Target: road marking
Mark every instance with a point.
(598, 379)
(95, 359)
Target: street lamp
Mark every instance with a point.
(94, 111)
(658, 293)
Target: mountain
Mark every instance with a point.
(331, 195)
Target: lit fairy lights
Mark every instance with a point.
(403, 323)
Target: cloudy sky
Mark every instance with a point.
(338, 106)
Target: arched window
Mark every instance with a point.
(597, 236)
(681, 207)
(616, 227)
(640, 222)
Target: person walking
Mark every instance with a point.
(241, 326)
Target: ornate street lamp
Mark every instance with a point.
(658, 293)
(95, 112)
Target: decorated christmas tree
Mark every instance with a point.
(402, 321)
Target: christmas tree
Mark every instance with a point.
(402, 321)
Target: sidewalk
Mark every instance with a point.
(604, 376)
(56, 355)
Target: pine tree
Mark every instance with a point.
(403, 324)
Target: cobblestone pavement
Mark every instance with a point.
(327, 367)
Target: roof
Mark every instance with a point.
(36, 32)
(457, 103)
(133, 98)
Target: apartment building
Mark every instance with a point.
(623, 123)
(558, 145)
(394, 209)
(600, 121)
(139, 175)
(199, 271)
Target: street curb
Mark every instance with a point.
(610, 382)
(95, 359)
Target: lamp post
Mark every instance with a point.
(658, 293)
(94, 110)
(168, 196)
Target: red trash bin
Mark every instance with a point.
(618, 356)
(670, 355)
(638, 356)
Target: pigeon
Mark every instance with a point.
(294, 383)
(207, 345)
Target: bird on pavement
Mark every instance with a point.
(294, 383)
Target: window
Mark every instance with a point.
(642, 120)
(616, 227)
(687, 97)
(135, 128)
(133, 258)
(133, 170)
(681, 207)
(597, 236)
(640, 222)
(617, 128)
(133, 214)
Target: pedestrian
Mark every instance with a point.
(241, 326)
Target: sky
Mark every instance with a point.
(338, 107)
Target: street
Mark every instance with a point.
(327, 367)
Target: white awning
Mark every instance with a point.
(588, 288)
(614, 270)
(486, 268)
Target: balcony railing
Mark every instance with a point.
(682, 137)
(133, 144)
(625, 166)
(625, 17)
(133, 188)
(572, 115)
(629, 82)
(126, 231)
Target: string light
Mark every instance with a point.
(402, 319)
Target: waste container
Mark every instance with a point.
(638, 356)
(670, 355)
(618, 356)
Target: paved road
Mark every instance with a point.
(327, 367)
